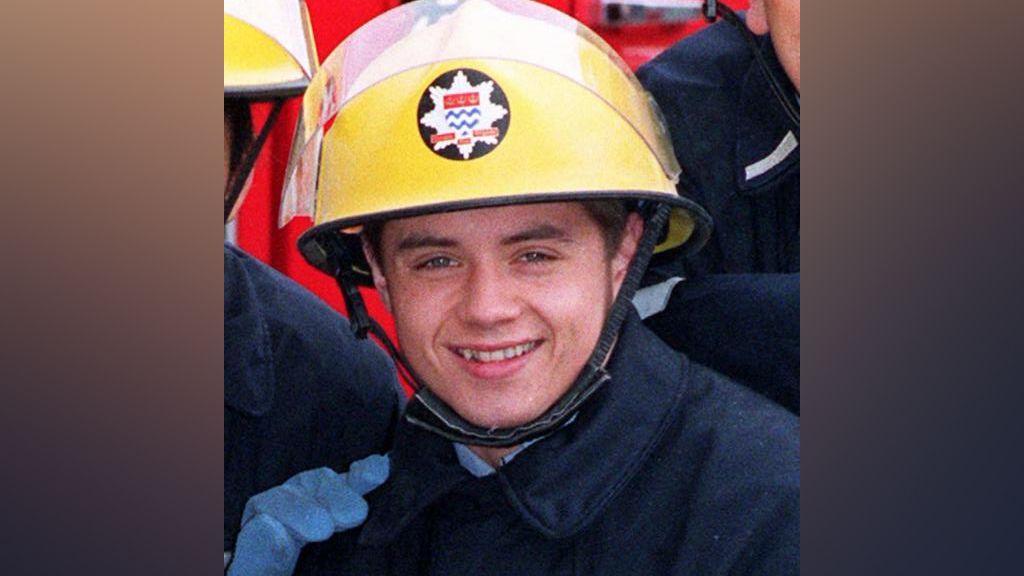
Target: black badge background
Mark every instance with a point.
(475, 77)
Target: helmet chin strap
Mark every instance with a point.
(429, 412)
(714, 10)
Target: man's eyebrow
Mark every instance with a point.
(539, 232)
(413, 241)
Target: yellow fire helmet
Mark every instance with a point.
(268, 48)
(440, 105)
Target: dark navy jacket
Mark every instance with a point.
(738, 150)
(668, 469)
(746, 326)
(741, 160)
(300, 391)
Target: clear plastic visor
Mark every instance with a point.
(286, 22)
(429, 31)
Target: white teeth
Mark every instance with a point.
(496, 355)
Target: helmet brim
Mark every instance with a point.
(690, 219)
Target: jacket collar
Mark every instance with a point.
(248, 361)
(562, 483)
(767, 143)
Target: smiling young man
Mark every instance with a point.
(501, 307)
(502, 180)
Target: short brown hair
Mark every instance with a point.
(610, 216)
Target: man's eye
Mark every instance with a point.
(533, 257)
(435, 263)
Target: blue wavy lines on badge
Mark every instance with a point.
(458, 125)
(461, 112)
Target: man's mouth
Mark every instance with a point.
(497, 355)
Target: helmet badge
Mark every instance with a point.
(463, 114)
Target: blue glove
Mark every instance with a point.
(310, 507)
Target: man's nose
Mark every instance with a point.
(491, 296)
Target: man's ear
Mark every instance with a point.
(757, 18)
(379, 281)
(627, 250)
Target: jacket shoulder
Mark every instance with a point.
(697, 84)
(745, 428)
(747, 487)
(326, 399)
(719, 494)
(297, 317)
(710, 60)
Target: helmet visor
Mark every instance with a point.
(429, 31)
(268, 48)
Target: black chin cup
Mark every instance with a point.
(429, 412)
(240, 174)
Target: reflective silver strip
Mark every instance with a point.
(231, 232)
(772, 160)
(227, 559)
(653, 299)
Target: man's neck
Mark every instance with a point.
(492, 455)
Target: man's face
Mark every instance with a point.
(498, 309)
(782, 19)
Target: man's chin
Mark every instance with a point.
(498, 417)
(494, 403)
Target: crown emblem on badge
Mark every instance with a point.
(463, 114)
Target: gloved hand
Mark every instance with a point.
(310, 507)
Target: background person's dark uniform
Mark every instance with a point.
(300, 391)
(668, 469)
(738, 150)
(741, 161)
(746, 326)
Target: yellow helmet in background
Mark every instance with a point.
(269, 54)
(268, 48)
(440, 105)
